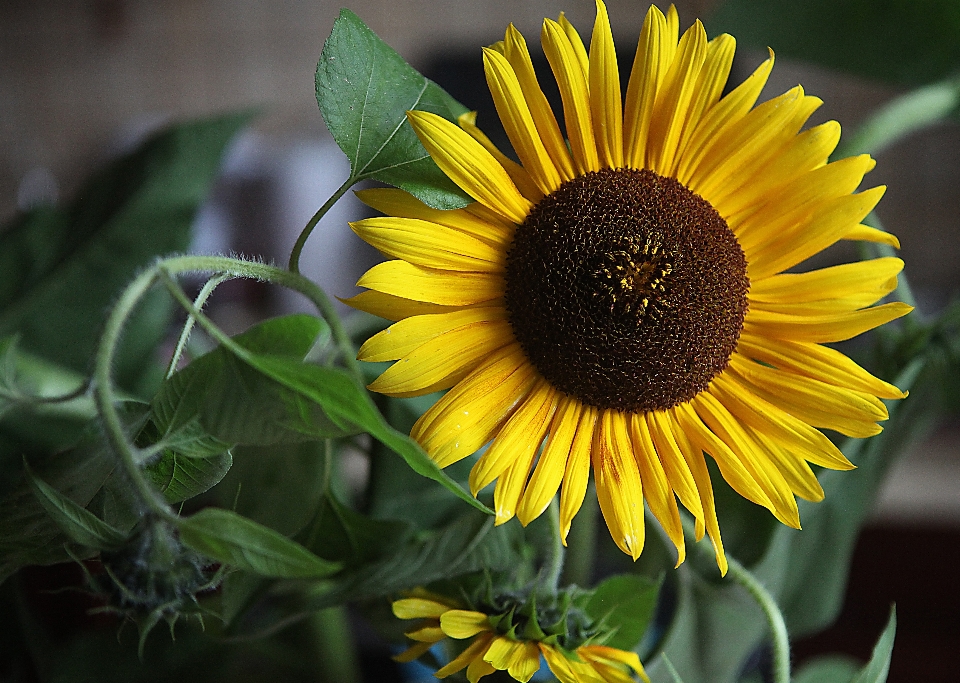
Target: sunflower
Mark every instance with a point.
(620, 298)
(492, 650)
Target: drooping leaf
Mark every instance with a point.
(78, 523)
(627, 602)
(878, 667)
(218, 400)
(236, 541)
(364, 89)
(898, 41)
(331, 397)
(61, 268)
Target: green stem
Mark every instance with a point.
(554, 563)
(278, 276)
(581, 548)
(333, 646)
(741, 575)
(778, 628)
(201, 299)
(105, 397)
(294, 265)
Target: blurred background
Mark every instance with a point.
(82, 81)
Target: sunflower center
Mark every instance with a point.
(626, 290)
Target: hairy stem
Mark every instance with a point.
(201, 299)
(294, 265)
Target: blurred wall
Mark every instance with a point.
(81, 79)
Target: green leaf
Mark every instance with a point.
(28, 534)
(903, 116)
(60, 269)
(219, 400)
(828, 669)
(364, 89)
(878, 667)
(81, 525)
(899, 41)
(331, 396)
(627, 602)
(339, 533)
(239, 542)
(180, 478)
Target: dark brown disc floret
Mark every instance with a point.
(626, 290)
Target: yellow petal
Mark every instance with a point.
(782, 503)
(829, 223)
(619, 489)
(441, 362)
(605, 104)
(413, 652)
(577, 474)
(798, 154)
(548, 474)
(765, 417)
(673, 101)
(649, 65)
(698, 468)
(867, 234)
(674, 464)
(392, 307)
(468, 416)
(430, 285)
(733, 471)
(518, 440)
(862, 283)
(478, 669)
(818, 404)
(819, 362)
(797, 473)
(429, 244)
(418, 608)
(797, 200)
(426, 634)
(572, 81)
(720, 118)
(602, 653)
(711, 81)
(406, 335)
(516, 52)
(656, 488)
(469, 165)
(473, 652)
(461, 623)
(394, 202)
(518, 121)
(822, 328)
(518, 174)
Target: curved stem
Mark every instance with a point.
(554, 564)
(778, 628)
(201, 299)
(278, 276)
(294, 264)
(105, 397)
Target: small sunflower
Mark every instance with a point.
(495, 645)
(620, 298)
